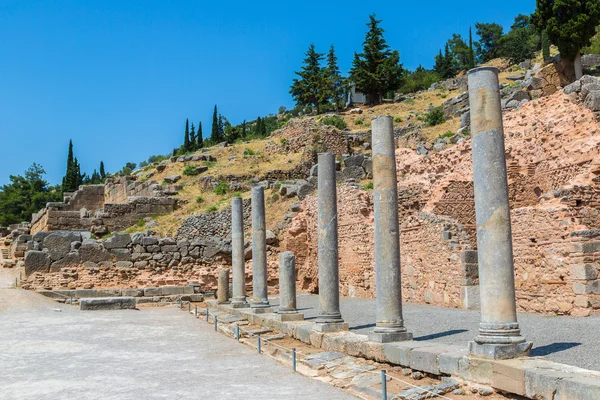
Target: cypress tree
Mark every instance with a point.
(545, 45)
(244, 129)
(471, 51)
(193, 138)
(199, 139)
(214, 135)
(186, 138)
(102, 172)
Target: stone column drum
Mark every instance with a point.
(223, 286)
(390, 324)
(260, 301)
(237, 254)
(499, 334)
(330, 317)
(287, 288)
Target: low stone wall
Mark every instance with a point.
(213, 224)
(165, 294)
(69, 260)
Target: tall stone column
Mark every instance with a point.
(237, 254)
(499, 334)
(260, 301)
(390, 324)
(287, 288)
(223, 286)
(330, 317)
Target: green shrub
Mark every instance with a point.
(212, 208)
(275, 197)
(435, 116)
(336, 121)
(199, 199)
(236, 194)
(447, 134)
(210, 164)
(368, 186)
(141, 223)
(249, 152)
(358, 122)
(409, 101)
(221, 189)
(398, 119)
(190, 170)
(283, 141)
(443, 95)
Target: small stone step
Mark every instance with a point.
(259, 331)
(277, 336)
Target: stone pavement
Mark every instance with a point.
(567, 340)
(157, 353)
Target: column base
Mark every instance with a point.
(500, 351)
(239, 304)
(223, 302)
(289, 317)
(386, 337)
(261, 310)
(330, 326)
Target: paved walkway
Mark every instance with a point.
(157, 353)
(566, 340)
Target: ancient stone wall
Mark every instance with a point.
(90, 197)
(117, 190)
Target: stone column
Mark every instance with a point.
(223, 286)
(390, 324)
(330, 317)
(287, 288)
(499, 334)
(260, 301)
(237, 254)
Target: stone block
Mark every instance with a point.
(579, 388)
(94, 293)
(426, 359)
(107, 303)
(118, 241)
(475, 369)
(399, 352)
(132, 292)
(449, 361)
(469, 256)
(71, 260)
(169, 248)
(303, 332)
(36, 261)
(470, 271)
(58, 244)
(509, 376)
(150, 292)
(584, 272)
(121, 254)
(541, 383)
(172, 290)
(470, 299)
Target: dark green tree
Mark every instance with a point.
(193, 145)
(570, 25)
(25, 195)
(186, 137)
(244, 129)
(460, 52)
(420, 79)
(521, 42)
(471, 50)
(199, 139)
(335, 82)
(445, 64)
(311, 87)
(488, 46)
(102, 171)
(73, 177)
(545, 45)
(377, 70)
(215, 135)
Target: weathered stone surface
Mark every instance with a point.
(58, 245)
(172, 178)
(93, 251)
(354, 160)
(118, 241)
(36, 261)
(354, 172)
(107, 303)
(592, 100)
(71, 260)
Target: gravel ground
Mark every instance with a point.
(566, 340)
(157, 353)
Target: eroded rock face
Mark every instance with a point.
(36, 261)
(58, 244)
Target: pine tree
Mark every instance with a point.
(186, 138)
(311, 88)
(102, 171)
(488, 46)
(545, 44)
(336, 83)
(199, 139)
(193, 138)
(244, 129)
(214, 136)
(377, 70)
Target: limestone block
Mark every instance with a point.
(71, 260)
(36, 261)
(121, 254)
(149, 241)
(592, 101)
(132, 292)
(449, 361)
(92, 251)
(118, 241)
(354, 160)
(584, 272)
(469, 256)
(354, 172)
(470, 297)
(107, 303)
(58, 245)
(149, 292)
(426, 359)
(170, 248)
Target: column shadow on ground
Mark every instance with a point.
(441, 334)
(552, 348)
(362, 327)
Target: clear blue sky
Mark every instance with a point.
(120, 77)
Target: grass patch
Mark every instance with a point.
(336, 121)
(398, 119)
(199, 199)
(368, 186)
(212, 208)
(190, 170)
(221, 189)
(447, 134)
